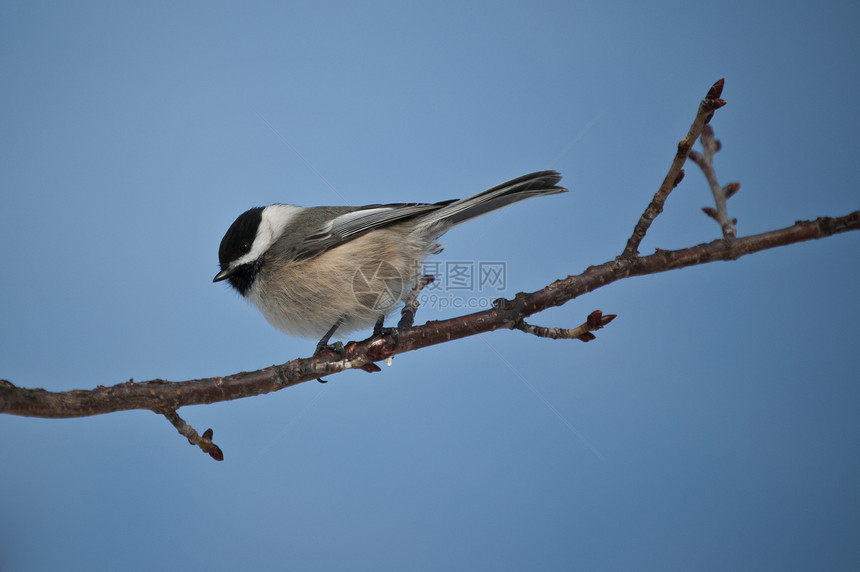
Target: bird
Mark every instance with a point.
(331, 270)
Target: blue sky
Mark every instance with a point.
(714, 425)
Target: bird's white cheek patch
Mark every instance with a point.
(274, 220)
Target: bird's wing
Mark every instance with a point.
(355, 223)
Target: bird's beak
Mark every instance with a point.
(223, 275)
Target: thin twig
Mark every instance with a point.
(203, 441)
(705, 161)
(595, 321)
(407, 314)
(711, 103)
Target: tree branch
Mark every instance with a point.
(165, 397)
(160, 395)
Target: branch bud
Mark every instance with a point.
(215, 452)
(594, 319)
(731, 189)
(716, 89)
(710, 211)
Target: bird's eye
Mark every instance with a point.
(245, 247)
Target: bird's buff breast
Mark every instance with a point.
(357, 282)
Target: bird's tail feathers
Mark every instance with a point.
(525, 187)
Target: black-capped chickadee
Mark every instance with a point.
(312, 271)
